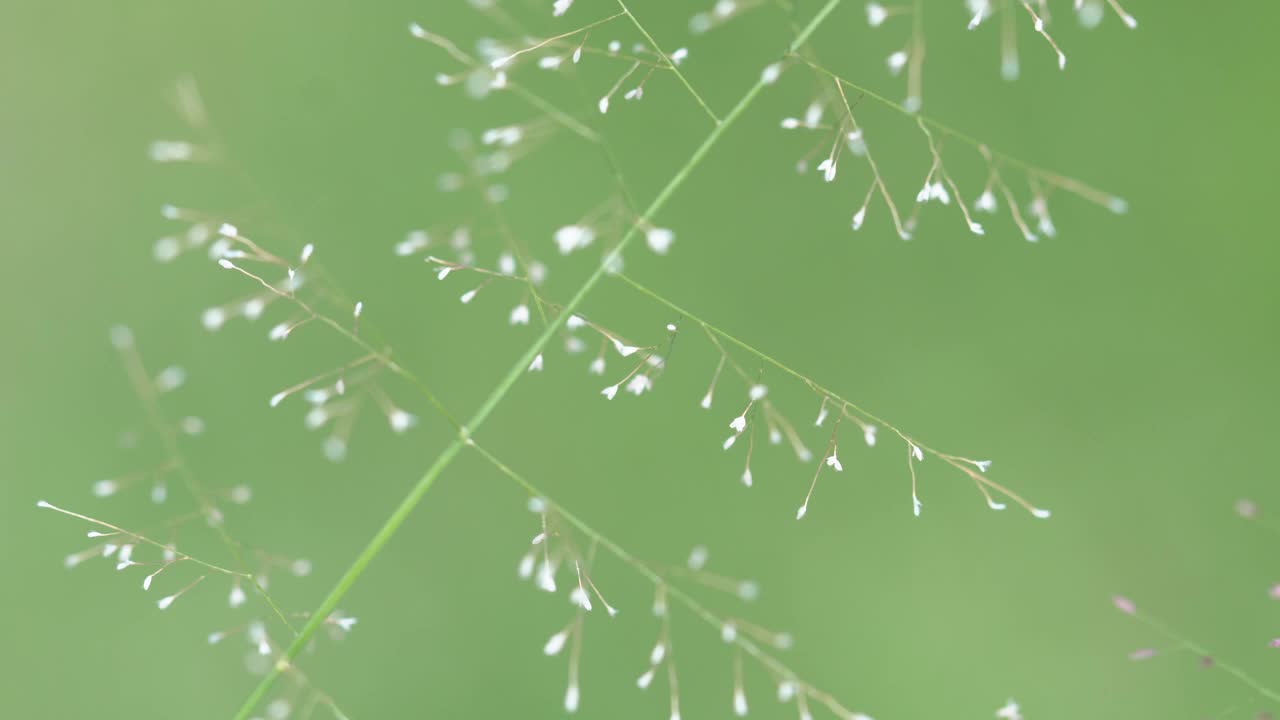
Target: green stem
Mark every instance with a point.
(410, 501)
(1203, 652)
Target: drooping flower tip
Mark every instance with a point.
(1010, 711)
(896, 61)
(401, 420)
(555, 643)
(520, 315)
(876, 14)
(1124, 605)
(828, 169)
(546, 577)
(786, 690)
(659, 240)
(658, 653)
(698, 557)
(105, 488)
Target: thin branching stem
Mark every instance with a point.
(715, 331)
(1087, 192)
(451, 451)
(145, 389)
(1194, 647)
(670, 64)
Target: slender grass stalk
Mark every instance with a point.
(415, 495)
(1189, 644)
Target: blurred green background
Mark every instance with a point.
(1123, 375)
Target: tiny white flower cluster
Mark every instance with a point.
(490, 71)
(1089, 12)
(938, 185)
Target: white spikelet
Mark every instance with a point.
(546, 577)
(658, 653)
(527, 564)
(520, 315)
(555, 643)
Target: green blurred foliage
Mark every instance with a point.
(1123, 375)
